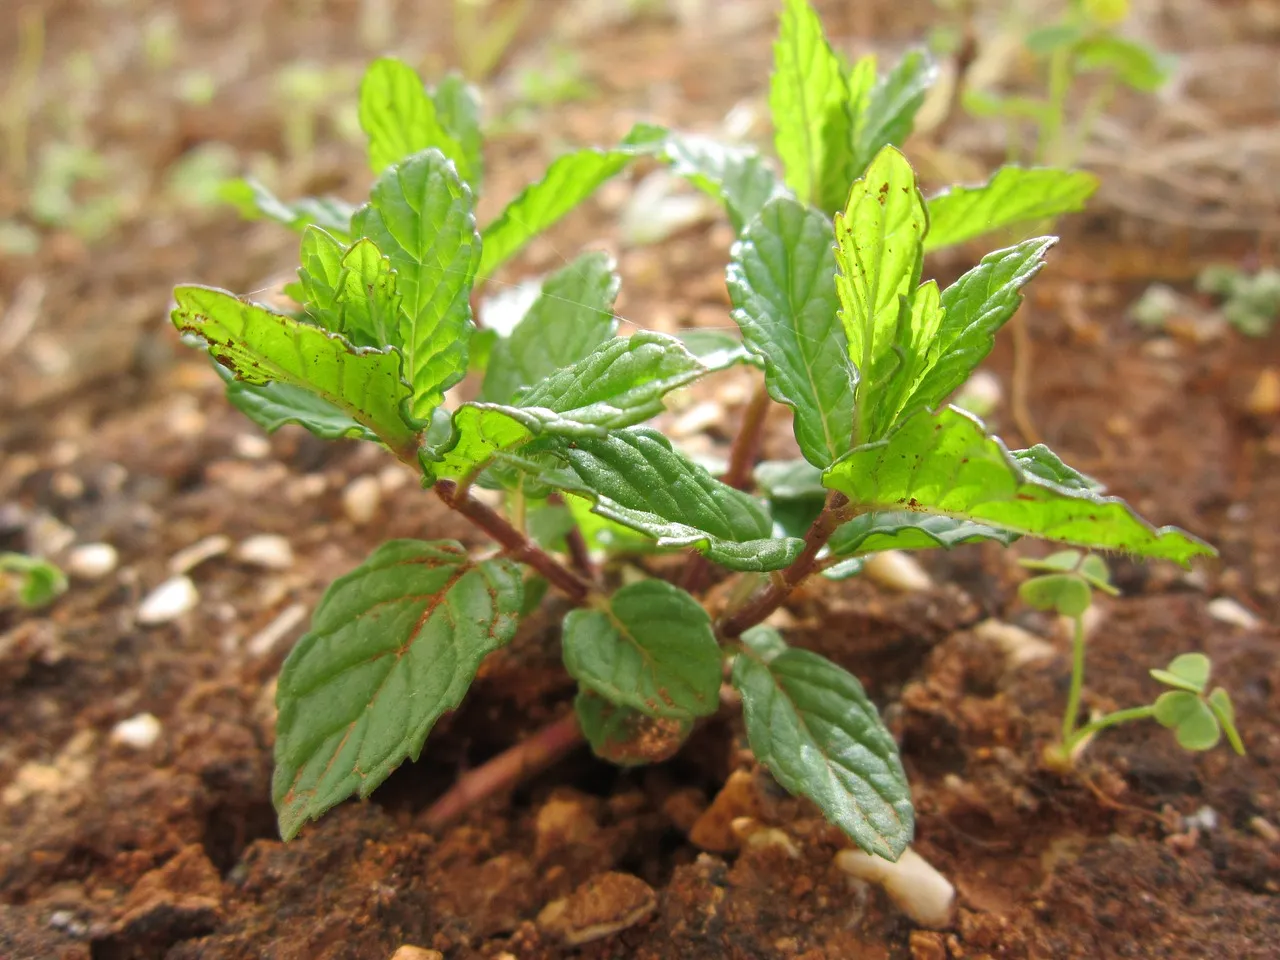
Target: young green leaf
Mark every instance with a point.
(263, 347)
(1194, 722)
(457, 106)
(652, 650)
(973, 309)
(255, 201)
(1187, 671)
(949, 465)
(782, 284)
(738, 177)
(810, 722)
(807, 95)
(272, 405)
(1013, 195)
(571, 317)
(399, 117)
(568, 181)
(879, 255)
(392, 646)
(717, 349)
(351, 292)
(637, 479)
(624, 735)
(904, 530)
(1135, 65)
(33, 581)
(1225, 711)
(891, 107)
(1066, 593)
(420, 216)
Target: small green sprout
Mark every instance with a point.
(30, 581)
(1251, 302)
(1066, 583)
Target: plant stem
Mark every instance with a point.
(1109, 720)
(506, 769)
(515, 543)
(764, 602)
(1077, 681)
(579, 554)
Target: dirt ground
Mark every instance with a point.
(150, 840)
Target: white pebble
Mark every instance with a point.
(361, 499)
(251, 446)
(1226, 610)
(394, 477)
(188, 558)
(981, 394)
(138, 732)
(897, 571)
(1019, 646)
(265, 640)
(912, 883)
(92, 561)
(168, 601)
(698, 419)
(267, 550)
(1206, 819)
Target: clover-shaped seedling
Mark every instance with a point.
(30, 581)
(1067, 583)
(1198, 721)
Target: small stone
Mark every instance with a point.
(1226, 610)
(266, 639)
(251, 446)
(139, 732)
(394, 477)
(1264, 398)
(897, 571)
(361, 499)
(410, 952)
(270, 551)
(188, 558)
(713, 830)
(48, 536)
(168, 601)
(927, 945)
(1019, 646)
(697, 419)
(601, 907)
(92, 561)
(1265, 829)
(563, 821)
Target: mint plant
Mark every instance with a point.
(834, 313)
(1198, 719)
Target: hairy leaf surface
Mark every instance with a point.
(351, 292)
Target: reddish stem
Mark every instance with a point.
(514, 543)
(507, 769)
(579, 554)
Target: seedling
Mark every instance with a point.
(1251, 302)
(847, 336)
(29, 581)
(1066, 583)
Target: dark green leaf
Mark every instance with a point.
(350, 292)
(637, 479)
(568, 181)
(393, 645)
(736, 176)
(782, 284)
(263, 347)
(891, 108)
(653, 650)
(255, 201)
(879, 255)
(904, 530)
(571, 317)
(949, 466)
(420, 217)
(811, 724)
(624, 735)
(458, 110)
(806, 93)
(1013, 195)
(272, 405)
(399, 117)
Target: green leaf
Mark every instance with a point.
(1187, 671)
(571, 317)
(399, 118)
(879, 254)
(254, 201)
(351, 292)
(1056, 36)
(1066, 593)
(810, 722)
(33, 581)
(1220, 704)
(601, 533)
(261, 347)
(1193, 721)
(949, 466)
(568, 181)
(737, 177)
(393, 645)
(635, 478)
(1013, 195)
(1063, 561)
(716, 349)
(973, 309)
(904, 530)
(621, 383)
(806, 94)
(420, 217)
(272, 405)
(1041, 462)
(457, 106)
(782, 284)
(624, 735)
(652, 649)
(891, 107)
(1134, 64)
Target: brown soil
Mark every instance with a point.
(109, 428)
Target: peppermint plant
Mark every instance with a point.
(1198, 718)
(833, 313)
